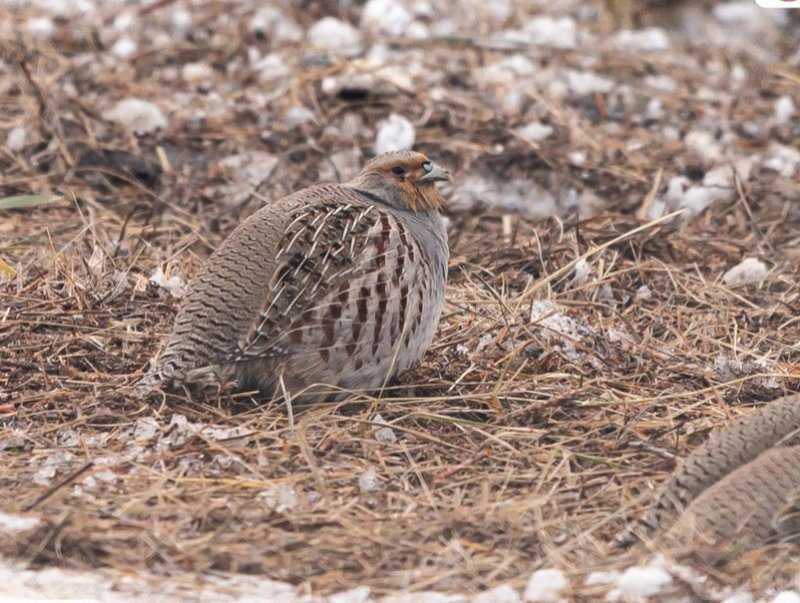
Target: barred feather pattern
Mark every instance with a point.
(327, 286)
(727, 450)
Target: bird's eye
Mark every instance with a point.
(427, 166)
(399, 170)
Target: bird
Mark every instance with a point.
(332, 289)
(739, 490)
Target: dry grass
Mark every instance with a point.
(517, 446)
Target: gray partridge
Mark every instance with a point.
(738, 490)
(337, 287)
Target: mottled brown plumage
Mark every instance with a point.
(339, 286)
(739, 489)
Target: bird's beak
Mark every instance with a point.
(437, 174)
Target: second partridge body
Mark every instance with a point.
(335, 286)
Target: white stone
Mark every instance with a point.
(124, 47)
(556, 32)
(581, 272)
(124, 21)
(16, 139)
(784, 110)
(499, 594)
(197, 73)
(180, 20)
(703, 144)
(335, 36)
(648, 39)
(698, 198)
(782, 159)
(297, 116)
(577, 158)
(11, 524)
(271, 21)
(749, 272)
(174, 285)
(664, 83)
(280, 499)
(740, 597)
(394, 133)
(644, 293)
(602, 577)
(423, 597)
(534, 131)
(506, 71)
(643, 581)
(270, 68)
(368, 481)
(40, 28)
(545, 585)
(418, 31)
(737, 11)
(383, 434)
(387, 17)
(359, 594)
(723, 176)
(138, 115)
(586, 82)
(145, 428)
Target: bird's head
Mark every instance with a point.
(403, 179)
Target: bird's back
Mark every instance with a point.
(298, 277)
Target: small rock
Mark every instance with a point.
(124, 48)
(174, 285)
(649, 39)
(145, 429)
(750, 272)
(180, 20)
(534, 131)
(583, 83)
(197, 73)
(602, 577)
(11, 524)
(500, 594)
(270, 68)
(643, 581)
(784, 110)
(782, 159)
(335, 36)
(394, 133)
(556, 32)
(383, 434)
(545, 585)
(724, 175)
(387, 17)
(272, 22)
(280, 499)
(581, 272)
(703, 145)
(359, 594)
(16, 139)
(368, 481)
(644, 293)
(698, 198)
(138, 115)
(297, 116)
(40, 28)
(124, 21)
(12, 439)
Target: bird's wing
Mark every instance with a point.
(324, 260)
